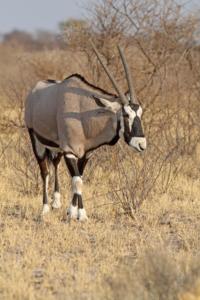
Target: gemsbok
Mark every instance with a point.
(72, 118)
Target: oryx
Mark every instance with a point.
(72, 118)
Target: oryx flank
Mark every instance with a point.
(72, 118)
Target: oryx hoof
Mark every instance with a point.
(56, 201)
(45, 209)
(72, 212)
(82, 216)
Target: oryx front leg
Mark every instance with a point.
(76, 210)
(77, 195)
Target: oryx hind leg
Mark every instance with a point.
(56, 195)
(42, 156)
(76, 209)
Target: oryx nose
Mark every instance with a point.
(139, 143)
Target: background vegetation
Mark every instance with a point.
(142, 240)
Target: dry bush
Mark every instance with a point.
(133, 178)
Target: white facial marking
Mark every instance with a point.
(77, 183)
(40, 148)
(73, 212)
(82, 216)
(138, 143)
(56, 200)
(45, 209)
(131, 113)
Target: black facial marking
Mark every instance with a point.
(136, 130)
(134, 106)
(127, 132)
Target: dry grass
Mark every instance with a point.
(112, 256)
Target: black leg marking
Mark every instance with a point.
(80, 202)
(56, 162)
(44, 168)
(72, 166)
(75, 200)
(82, 164)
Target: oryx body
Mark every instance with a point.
(72, 118)
(67, 114)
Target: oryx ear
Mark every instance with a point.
(113, 106)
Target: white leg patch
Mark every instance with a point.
(73, 212)
(56, 200)
(77, 183)
(82, 216)
(47, 183)
(45, 209)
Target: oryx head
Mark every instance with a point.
(131, 111)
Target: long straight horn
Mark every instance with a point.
(133, 97)
(114, 83)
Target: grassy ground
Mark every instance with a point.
(112, 256)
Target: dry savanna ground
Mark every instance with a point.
(142, 239)
(112, 256)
